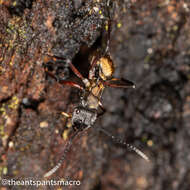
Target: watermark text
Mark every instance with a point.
(37, 183)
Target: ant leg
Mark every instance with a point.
(75, 70)
(51, 75)
(131, 147)
(66, 150)
(65, 82)
(72, 84)
(108, 27)
(107, 36)
(119, 83)
(107, 32)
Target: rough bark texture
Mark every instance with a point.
(150, 43)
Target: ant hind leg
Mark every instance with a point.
(77, 73)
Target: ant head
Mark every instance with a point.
(83, 117)
(106, 67)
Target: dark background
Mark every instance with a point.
(150, 45)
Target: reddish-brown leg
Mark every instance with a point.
(72, 84)
(119, 83)
(64, 82)
(75, 70)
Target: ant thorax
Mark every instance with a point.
(89, 101)
(83, 117)
(92, 95)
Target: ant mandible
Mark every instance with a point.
(87, 111)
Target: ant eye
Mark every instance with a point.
(77, 111)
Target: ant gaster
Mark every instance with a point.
(87, 111)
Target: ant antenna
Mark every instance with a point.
(66, 150)
(131, 147)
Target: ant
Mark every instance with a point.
(90, 107)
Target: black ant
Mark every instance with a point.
(87, 111)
